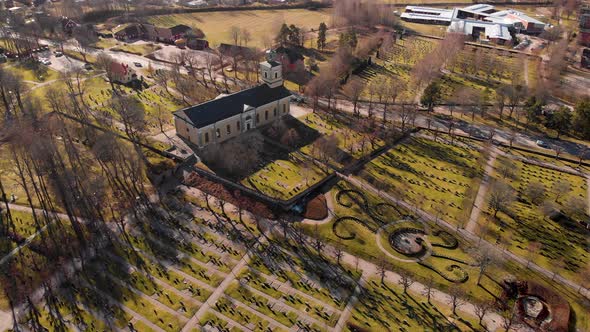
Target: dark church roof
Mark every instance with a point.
(222, 108)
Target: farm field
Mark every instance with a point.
(258, 22)
(525, 228)
(438, 176)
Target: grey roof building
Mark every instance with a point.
(227, 116)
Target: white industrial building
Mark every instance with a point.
(480, 20)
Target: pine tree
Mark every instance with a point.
(322, 35)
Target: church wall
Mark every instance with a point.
(232, 122)
(186, 130)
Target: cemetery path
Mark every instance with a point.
(478, 204)
(351, 302)
(29, 239)
(218, 293)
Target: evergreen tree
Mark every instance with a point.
(283, 35)
(322, 35)
(582, 117)
(560, 120)
(294, 35)
(431, 96)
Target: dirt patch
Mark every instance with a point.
(317, 208)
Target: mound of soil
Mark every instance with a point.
(317, 208)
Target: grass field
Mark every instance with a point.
(386, 307)
(259, 22)
(138, 49)
(42, 74)
(563, 243)
(439, 177)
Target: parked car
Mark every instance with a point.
(45, 61)
(58, 54)
(137, 64)
(297, 98)
(88, 66)
(542, 144)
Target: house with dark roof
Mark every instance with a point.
(228, 116)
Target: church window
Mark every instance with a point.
(284, 108)
(265, 115)
(238, 125)
(217, 132)
(274, 112)
(206, 137)
(265, 75)
(228, 129)
(276, 75)
(257, 118)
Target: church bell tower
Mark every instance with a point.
(271, 73)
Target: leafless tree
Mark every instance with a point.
(481, 308)
(428, 288)
(353, 90)
(382, 270)
(405, 281)
(535, 191)
(501, 196)
(456, 300)
(561, 188)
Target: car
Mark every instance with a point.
(137, 64)
(45, 61)
(542, 144)
(88, 66)
(297, 98)
(58, 54)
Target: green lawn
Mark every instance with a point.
(35, 73)
(351, 143)
(138, 49)
(437, 176)
(386, 307)
(285, 178)
(561, 241)
(259, 22)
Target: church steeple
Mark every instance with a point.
(271, 73)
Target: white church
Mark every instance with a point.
(228, 116)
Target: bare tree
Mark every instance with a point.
(481, 308)
(456, 300)
(353, 90)
(382, 270)
(561, 188)
(501, 196)
(535, 191)
(405, 281)
(428, 288)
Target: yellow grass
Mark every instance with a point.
(260, 23)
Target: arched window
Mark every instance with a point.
(276, 75)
